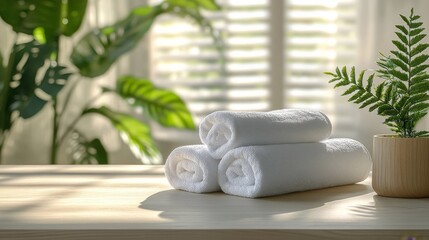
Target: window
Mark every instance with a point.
(275, 53)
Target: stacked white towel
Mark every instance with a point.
(191, 168)
(258, 171)
(252, 154)
(224, 131)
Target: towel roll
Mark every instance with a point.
(224, 131)
(191, 168)
(258, 171)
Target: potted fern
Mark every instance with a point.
(400, 160)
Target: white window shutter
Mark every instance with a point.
(185, 59)
(320, 35)
(313, 36)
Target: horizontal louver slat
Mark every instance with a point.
(185, 59)
(319, 35)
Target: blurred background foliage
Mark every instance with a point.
(32, 76)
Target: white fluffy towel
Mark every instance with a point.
(224, 131)
(258, 171)
(191, 168)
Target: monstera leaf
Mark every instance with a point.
(52, 17)
(134, 132)
(99, 49)
(162, 105)
(27, 94)
(54, 80)
(86, 151)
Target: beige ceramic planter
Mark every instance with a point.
(401, 166)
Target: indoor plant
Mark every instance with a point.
(400, 160)
(33, 76)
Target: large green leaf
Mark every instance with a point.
(87, 151)
(54, 80)
(134, 132)
(26, 59)
(28, 93)
(162, 105)
(99, 49)
(52, 17)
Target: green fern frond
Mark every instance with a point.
(420, 97)
(350, 90)
(360, 79)
(418, 70)
(401, 56)
(386, 109)
(356, 95)
(419, 107)
(399, 75)
(388, 93)
(402, 28)
(420, 87)
(400, 104)
(402, 97)
(416, 31)
(419, 78)
(400, 63)
(422, 134)
(345, 74)
(405, 19)
(418, 49)
(370, 81)
(353, 75)
(400, 87)
(402, 37)
(375, 106)
(363, 98)
(369, 102)
(400, 46)
(419, 60)
(379, 90)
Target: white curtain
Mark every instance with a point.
(376, 31)
(29, 141)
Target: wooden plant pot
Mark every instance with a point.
(400, 166)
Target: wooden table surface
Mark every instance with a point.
(136, 202)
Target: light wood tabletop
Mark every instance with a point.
(136, 202)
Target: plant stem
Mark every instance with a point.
(1, 151)
(55, 126)
(406, 125)
(55, 120)
(68, 130)
(76, 120)
(68, 98)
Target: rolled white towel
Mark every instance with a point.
(224, 131)
(191, 168)
(258, 171)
